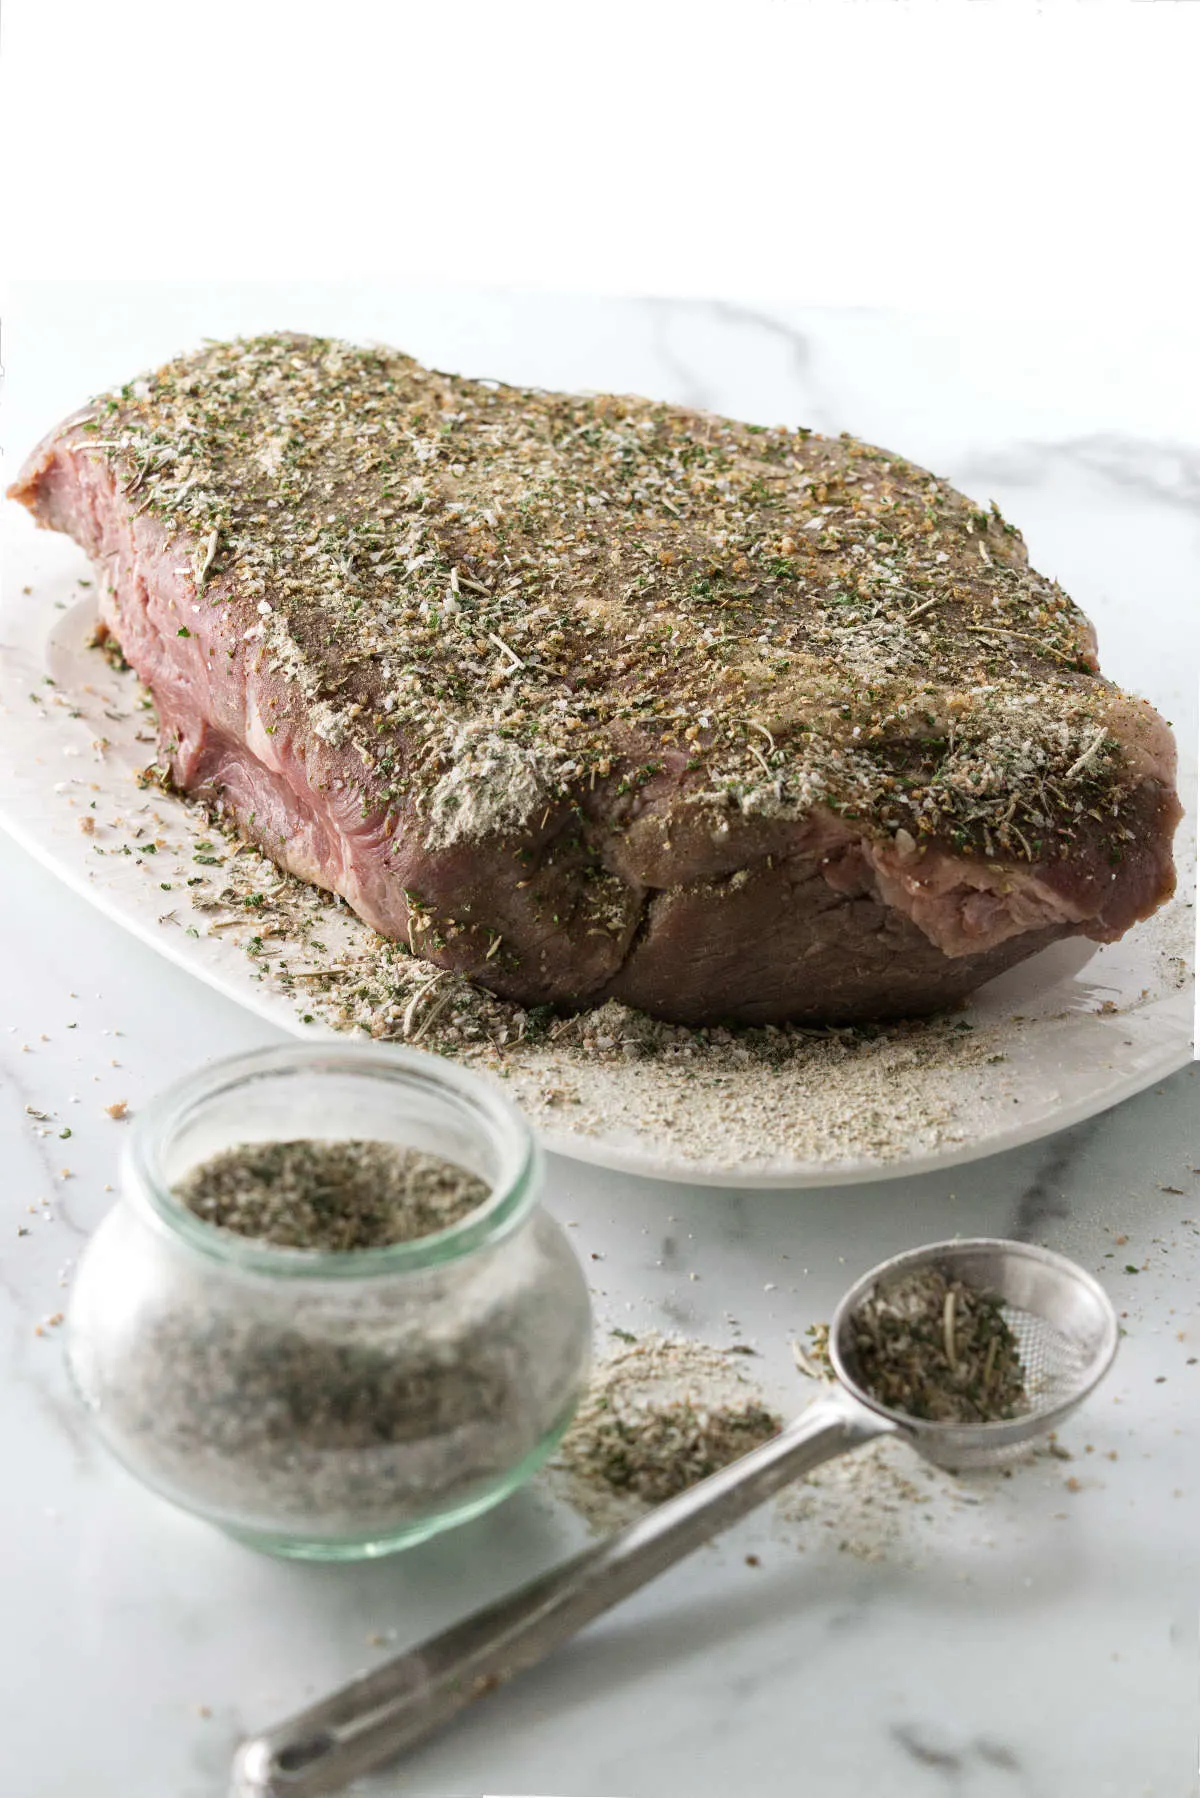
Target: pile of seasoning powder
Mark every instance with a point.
(330, 1195)
(661, 1413)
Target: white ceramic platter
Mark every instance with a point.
(1070, 1033)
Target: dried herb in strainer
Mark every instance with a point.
(939, 1350)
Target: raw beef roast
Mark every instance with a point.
(594, 698)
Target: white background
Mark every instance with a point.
(986, 155)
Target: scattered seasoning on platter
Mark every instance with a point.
(659, 1415)
(939, 1350)
(725, 1097)
(722, 1095)
(341, 1195)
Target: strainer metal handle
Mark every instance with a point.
(397, 1704)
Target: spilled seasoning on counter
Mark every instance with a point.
(880, 1503)
(663, 1412)
(659, 1416)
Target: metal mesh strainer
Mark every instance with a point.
(1065, 1327)
(1067, 1334)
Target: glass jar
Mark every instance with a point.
(320, 1404)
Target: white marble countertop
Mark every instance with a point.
(1021, 1637)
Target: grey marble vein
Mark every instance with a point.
(1163, 471)
(925, 1752)
(1044, 1201)
(801, 395)
(963, 1768)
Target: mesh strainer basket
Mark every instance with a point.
(1064, 1325)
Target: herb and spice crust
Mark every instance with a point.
(588, 697)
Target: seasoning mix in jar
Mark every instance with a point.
(329, 1313)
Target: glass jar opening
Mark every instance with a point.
(330, 1093)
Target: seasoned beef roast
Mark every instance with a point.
(589, 697)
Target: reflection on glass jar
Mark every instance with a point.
(331, 1404)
